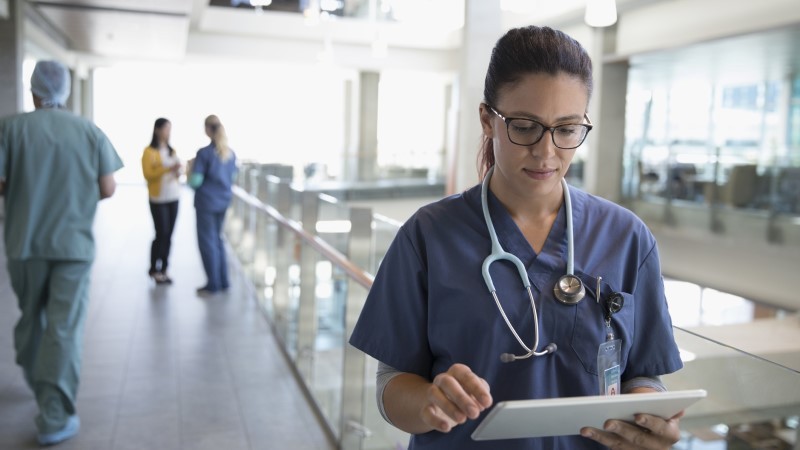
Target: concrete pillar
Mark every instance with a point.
(75, 100)
(81, 97)
(603, 170)
(11, 54)
(368, 126)
(87, 95)
(352, 119)
(483, 26)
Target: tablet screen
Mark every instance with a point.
(566, 416)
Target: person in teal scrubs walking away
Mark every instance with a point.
(54, 168)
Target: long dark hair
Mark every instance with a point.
(160, 122)
(528, 50)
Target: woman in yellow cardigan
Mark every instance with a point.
(162, 167)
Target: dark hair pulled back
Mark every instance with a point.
(530, 50)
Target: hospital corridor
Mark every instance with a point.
(399, 224)
(164, 368)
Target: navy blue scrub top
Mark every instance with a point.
(214, 195)
(429, 306)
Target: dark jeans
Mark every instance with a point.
(164, 216)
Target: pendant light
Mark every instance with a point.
(601, 13)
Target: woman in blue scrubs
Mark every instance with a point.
(430, 319)
(212, 177)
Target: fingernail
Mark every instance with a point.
(587, 433)
(611, 427)
(640, 420)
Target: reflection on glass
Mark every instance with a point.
(725, 143)
(751, 403)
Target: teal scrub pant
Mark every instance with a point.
(52, 296)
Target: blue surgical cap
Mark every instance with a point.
(51, 82)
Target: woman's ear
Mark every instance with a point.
(486, 117)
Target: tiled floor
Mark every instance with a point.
(163, 368)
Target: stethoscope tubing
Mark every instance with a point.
(498, 254)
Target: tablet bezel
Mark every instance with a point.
(566, 416)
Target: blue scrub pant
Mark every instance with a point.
(212, 249)
(52, 297)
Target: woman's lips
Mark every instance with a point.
(540, 174)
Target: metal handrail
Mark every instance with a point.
(325, 249)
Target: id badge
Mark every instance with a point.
(608, 367)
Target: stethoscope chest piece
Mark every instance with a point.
(569, 289)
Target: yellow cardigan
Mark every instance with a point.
(153, 170)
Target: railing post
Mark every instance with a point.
(352, 428)
(260, 258)
(283, 251)
(307, 309)
(236, 217)
(248, 238)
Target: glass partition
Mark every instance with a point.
(384, 230)
(725, 141)
(746, 355)
(751, 403)
(331, 289)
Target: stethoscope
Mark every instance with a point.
(568, 289)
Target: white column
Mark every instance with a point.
(368, 126)
(11, 54)
(603, 170)
(87, 95)
(483, 26)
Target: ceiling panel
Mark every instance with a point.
(155, 6)
(152, 29)
(123, 34)
(767, 55)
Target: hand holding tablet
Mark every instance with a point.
(566, 416)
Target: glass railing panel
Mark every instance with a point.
(287, 294)
(295, 211)
(765, 331)
(384, 230)
(265, 285)
(333, 224)
(325, 382)
(751, 402)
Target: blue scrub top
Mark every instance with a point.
(214, 194)
(429, 306)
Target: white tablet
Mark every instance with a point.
(566, 416)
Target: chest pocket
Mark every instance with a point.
(590, 327)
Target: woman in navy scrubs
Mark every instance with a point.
(430, 319)
(212, 177)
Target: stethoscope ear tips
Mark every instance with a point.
(569, 289)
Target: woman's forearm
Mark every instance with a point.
(403, 399)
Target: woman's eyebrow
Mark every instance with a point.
(522, 114)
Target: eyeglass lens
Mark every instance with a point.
(529, 132)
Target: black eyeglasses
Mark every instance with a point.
(528, 131)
